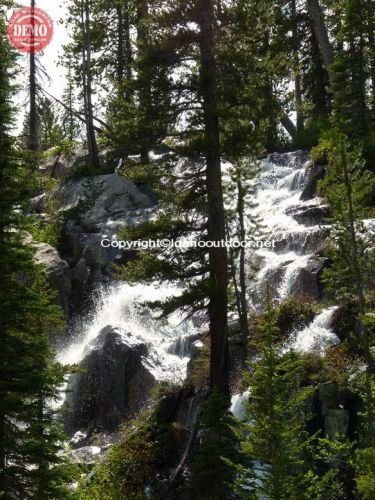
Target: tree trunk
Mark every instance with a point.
(297, 75)
(218, 300)
(120, 44)
(320, 97)
(358, 278)
(321, 32)
(143, 77)
(242, 271)
(33, 112)
(87, 87)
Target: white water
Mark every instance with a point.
(122, 306)
(278, 193)
(318, 335)
(238, 404)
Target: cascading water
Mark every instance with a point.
(279, 188)
(238, 404)
(121, 305)
(318, 335)
(277, 201)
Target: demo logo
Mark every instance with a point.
(30, 29)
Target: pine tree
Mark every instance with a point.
(239, 190)
(29, 378)
(274, 438)
(211, 472)
(33, 112)
(80, 54)
(50, 131)
(348, 187)
(68, 117)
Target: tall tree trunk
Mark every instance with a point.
(320, 97)
(242, 270)
(143, 77)
(297, 74)
(289, 126)
(218, 260)
(321, 32)
(3, 486)
(87, 86)
(120, 44)
(33, 112)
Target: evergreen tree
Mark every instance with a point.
(241, 228)
(274, 439)
(348, 187)
(29, 378)
(212, 474)
(80, 54)
(33, 112)
(50, 131)
(69, 115)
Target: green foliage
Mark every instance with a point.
(31, 465)
(294, 313)
(142, 460)
(200, 373)
(65, 147)
(274, 438)
(211, 472)
(332, 458)
(45, 231)
(313, 131)
(365, 472)
(348, 186)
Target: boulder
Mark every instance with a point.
(113, 383)
(57, 271)
(96, 208)
(309, 215)
(307, 282)
(100, 199)
(64, 165)
(336, 423)
(294, 159)
(328, 395)
(316, 173)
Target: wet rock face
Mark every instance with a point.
(316, 173)
(57, 271)
(98, 207)
(307, 282)
(113, 385)
(309, 215)
(294, 159)
(336, 423)
(337, 408)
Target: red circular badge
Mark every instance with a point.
(30, 29)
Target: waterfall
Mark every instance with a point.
(238, 404)
(279, 187)
(317, 336)
(122, 305)
(276, 203)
